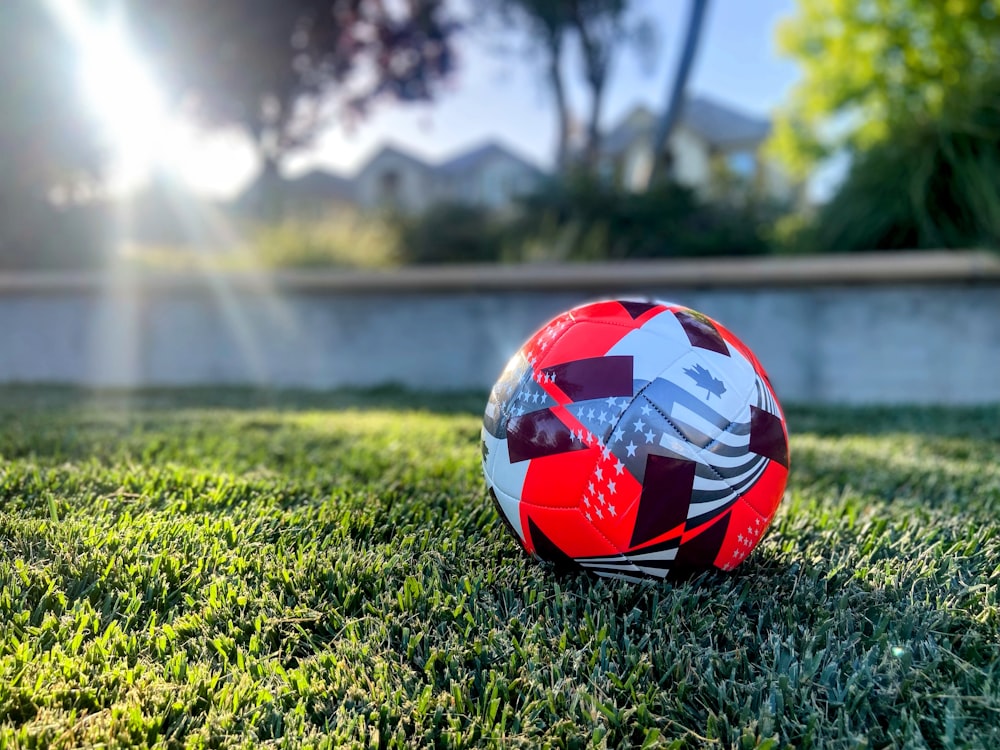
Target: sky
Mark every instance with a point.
(493, 96)
(496, 96)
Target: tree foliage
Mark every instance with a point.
(584, 218)
(932, 186)
(546, 23)
(601, 29)
(281, 70)
(870, 66)
(46, 133)
(48, 139)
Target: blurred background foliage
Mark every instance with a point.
(904, 92)
(934, 184)
(872, 66)
(584, 218)
(907, 93)
(47, 140)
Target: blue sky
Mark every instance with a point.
(502, 97)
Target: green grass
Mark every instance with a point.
(233, 568)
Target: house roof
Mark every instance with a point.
(638, 123)
(719, 124)
(722, 125)
(474, 157)
(321, 184)
(326, 185)
(316, 184)
(390, 150)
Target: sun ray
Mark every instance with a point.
(121, 91)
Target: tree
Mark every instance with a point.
(547, 25)
(47, 139)
(871, 65)
(931, 186)
(678, 85)
(602, 29)
(600, 26)
(281, 70)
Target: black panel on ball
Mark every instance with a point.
(547, 550)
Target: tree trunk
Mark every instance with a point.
(676, 96)
(562, 105)
(596, 60)
(593, 151)
(269, 206)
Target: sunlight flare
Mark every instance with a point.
(125, 98)
(134, 114)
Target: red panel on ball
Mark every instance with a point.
(765, 494)
(582, 341)
(570, 532)
(558, 481)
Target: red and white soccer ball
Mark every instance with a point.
(634, 438)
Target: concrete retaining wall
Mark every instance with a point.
(895, 328)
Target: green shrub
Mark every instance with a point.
(347, 240)
(35, 235)
(934, 185)
(584, 219)
(451, 233)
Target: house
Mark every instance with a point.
(317, 190)
(491, 176)
(395, 180)
(710, 141)
(312, 195)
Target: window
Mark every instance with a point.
(388, 188)
(742, 163)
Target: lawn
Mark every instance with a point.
(233, 568)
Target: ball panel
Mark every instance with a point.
(701, 331)
(538, 434)
(661, 550)
(767, 436)
(487, 450)
(711, 389)
(746, 527)
(505, 395)
(582, 340)
(501, 473)
(599, 417)
(766, 493)
(664, 500)
(610, 498)
(559, 481)
(701, 547)
(508, 507)
(735, 342)
(568, 531)
(592, 378)
(615, 311)
(651, 353)
(641, 308)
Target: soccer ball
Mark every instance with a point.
(635, 438)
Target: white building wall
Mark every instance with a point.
(692, 165)
(415, 189)
(494, 183)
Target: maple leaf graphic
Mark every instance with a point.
(703, 379)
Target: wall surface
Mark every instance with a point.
(881, 329)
